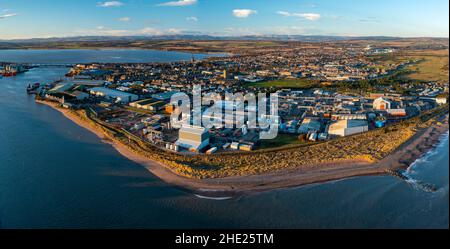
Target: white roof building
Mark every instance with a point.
(118, 96)
(381, 104)
(61, 87)
(193, 138)
(348, 127)
(441, 100)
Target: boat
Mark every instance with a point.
(9, 74)
(31, 89)
(14, 70)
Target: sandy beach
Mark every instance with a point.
(424, 140)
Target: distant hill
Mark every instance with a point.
(309, 38)
(206, 43)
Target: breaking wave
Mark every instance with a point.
(214, 198)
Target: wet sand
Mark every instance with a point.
(423, 141)
(401, 158)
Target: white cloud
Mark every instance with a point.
(307, 16)
(192, 19)
(174, 31)
(284, 13)
(238, 31)
(110, 4)
(179, 3)
(124, 19)
(148, 31)
(7, 15)
(243, 13)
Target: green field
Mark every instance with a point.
(432, 65)
(432, 68)
(280, 141)
(286, 83)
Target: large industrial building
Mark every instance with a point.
(60, 88)
(149, 104)
(115, 95)
(348, 127)
(193, 138)
(309, 125)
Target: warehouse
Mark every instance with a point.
(118, 96)
(193, 138)
(309, 125)
(148, 104)
(60, 88)
(397, 112)
(347, 127)
(79, 95)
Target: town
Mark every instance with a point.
(136, 98)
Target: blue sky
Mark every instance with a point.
(58, 18)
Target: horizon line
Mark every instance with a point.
(230, 36)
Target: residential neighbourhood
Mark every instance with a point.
(136, 97)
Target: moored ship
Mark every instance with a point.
(31, 89)
(12, 70)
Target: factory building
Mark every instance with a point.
(117, 96)
(348, 127)
(348, 116)
(60, 88)
(309, 125)
(148, 104)
(164, 96)
(193, 138)
(79, 95)
(397, 112)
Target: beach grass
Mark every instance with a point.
(281, 140)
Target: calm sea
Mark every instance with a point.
(73, 56)
(54, 174)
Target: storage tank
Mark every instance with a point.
(380, 122)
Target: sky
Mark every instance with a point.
(64, 18)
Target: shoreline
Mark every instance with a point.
(424, 140)
(181, 50)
